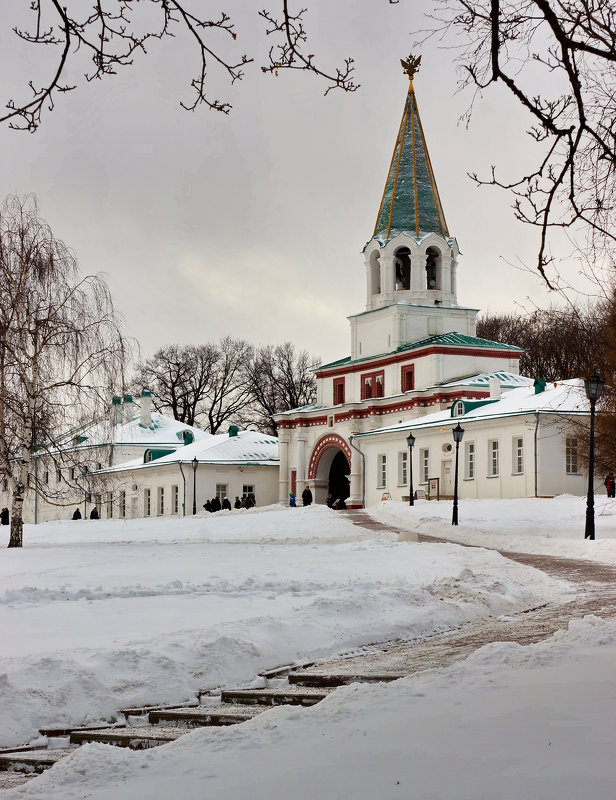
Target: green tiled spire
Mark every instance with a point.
(411, 202)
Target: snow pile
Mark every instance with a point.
(508, 722)
(552, 526)
(99, 615)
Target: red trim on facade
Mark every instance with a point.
(339, 391)
(325, 443)
(427, 351)
(381, 410)
(371, 387)
(407, 376)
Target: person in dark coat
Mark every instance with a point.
(307, 496)
(76, 514)
(216, 505)
(226, 504)
(610, 485)
(208, 506)
(330, 501)
(4, 516)
(94, 513)
(238, 502)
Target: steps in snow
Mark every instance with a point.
(139, 737)
(274, 697)
(26, 760)
(322, 679)
(206, 715)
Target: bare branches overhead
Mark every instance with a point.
(557, 59)
(93, 41)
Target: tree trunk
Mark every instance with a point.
(17, 523)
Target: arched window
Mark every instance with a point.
(375, 272)
(403, 268)
(433, 268)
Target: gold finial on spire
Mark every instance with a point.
(411, 65)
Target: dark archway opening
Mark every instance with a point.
(338, 485)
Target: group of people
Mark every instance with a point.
(306, 498)
(215, 504)
(93, 514)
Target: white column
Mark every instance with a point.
(283, 475)
(445, 276)
(355, 498)
(301, 462)
(388, 276)
(418, 273)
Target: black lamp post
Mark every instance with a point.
(458, 433)
(594, 388)
(195, 464)
(410, 440)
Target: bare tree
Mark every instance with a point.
(559, 343)
(113, 34)
(61, 347)
(279, 379)
(203, 385)
(557, 59)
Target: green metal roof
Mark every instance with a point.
(443, 340)
(410, 202)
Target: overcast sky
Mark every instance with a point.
(252, 224)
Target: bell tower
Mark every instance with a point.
(411, 260)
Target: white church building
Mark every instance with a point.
(415, 364)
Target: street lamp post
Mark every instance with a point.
(594, 388)
(195, 464)
(410, 440)
(458, 433)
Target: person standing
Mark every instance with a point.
(4, 516)
(610, 485)
(76, 514)
(216, 504)
(94, 513)
(307, 496)
(238, 502)
(292, 502)
(226, 504)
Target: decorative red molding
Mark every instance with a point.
(325, 443)
(415, 354)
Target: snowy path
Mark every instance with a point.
(596, 594)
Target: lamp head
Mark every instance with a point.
(458, 433)
(410, 440)
(195, 463)
(594, 387)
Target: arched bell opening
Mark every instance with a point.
(433, 268)
(402, 265)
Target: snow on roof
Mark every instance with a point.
(164, 431)
(508, 380)
(560, 397)
(248, 447)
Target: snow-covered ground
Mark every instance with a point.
(99, 615)
(552, 526)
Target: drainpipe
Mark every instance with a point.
(363, 471)
(184, 479)
(536, 454)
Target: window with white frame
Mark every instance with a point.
(517, 451)
(424, 465)
(175, 500)
(109, 505)
(469, 461)
(571, 456)
(147, 503)
(122, 505)
(221, 491)
(381, 471)
(402, 467)
(493, 465)
(161, 501)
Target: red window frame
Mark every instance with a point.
(370, 384)
(407, 378)
(338, 391)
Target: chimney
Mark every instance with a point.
(146, 409)
(116, 411)
(129, 408)
(495, 388)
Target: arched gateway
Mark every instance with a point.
(330, 467)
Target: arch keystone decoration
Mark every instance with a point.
(330, 440)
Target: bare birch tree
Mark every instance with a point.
(61, 348)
